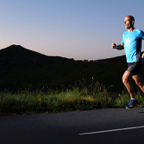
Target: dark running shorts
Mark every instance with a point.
(134, 67)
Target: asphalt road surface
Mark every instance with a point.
(105, 126)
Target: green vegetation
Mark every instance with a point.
(94, 96)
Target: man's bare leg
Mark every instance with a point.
(127, 82)
(138, 80)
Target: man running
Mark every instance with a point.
(132, 43)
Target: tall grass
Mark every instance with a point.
(76, 98)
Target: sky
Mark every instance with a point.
(79, 29)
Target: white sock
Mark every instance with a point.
(133, 98)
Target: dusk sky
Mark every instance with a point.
(79, 29)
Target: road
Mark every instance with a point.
(104, 126)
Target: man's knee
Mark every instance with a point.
(126, 77)
(124, 80)
(138, 82)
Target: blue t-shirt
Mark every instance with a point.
(132, 42)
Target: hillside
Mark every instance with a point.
(118, 59)
(23, 69)
(16, 55)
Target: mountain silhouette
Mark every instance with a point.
(16, 55)
(23, 69)
(118, 59)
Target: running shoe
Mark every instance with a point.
(131, 104)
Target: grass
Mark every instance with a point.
(82, 97)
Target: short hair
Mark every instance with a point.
(132, 18)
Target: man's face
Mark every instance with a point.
(128, 23)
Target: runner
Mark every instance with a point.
(132, 43)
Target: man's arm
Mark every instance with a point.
(119, 47)
(142, 56)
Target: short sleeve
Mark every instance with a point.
(122, 42)
(142, 34)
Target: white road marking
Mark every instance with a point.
(113, 130)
